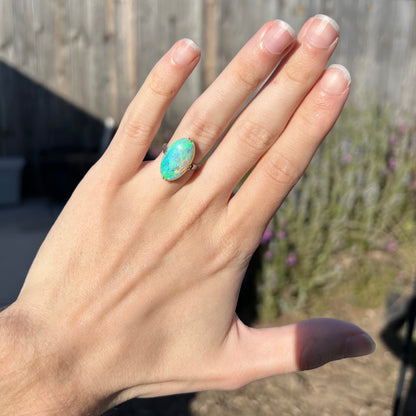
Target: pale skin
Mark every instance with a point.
(133, 292)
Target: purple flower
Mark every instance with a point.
(414, 185)
(281, 235)
(392, 246)
(268, 255)
(392, 139)
(392, 164)
(401, 127)
(291, 259)
(267, 236)
(347, 159)
(282, 222)
(400, 276)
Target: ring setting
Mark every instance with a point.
(178, 159)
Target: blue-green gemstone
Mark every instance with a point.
(177, 159)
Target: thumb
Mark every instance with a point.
(251, 353)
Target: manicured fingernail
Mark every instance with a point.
(323, 32)
(279, 36)
(357, 345)
(336, 79)
(186, 51)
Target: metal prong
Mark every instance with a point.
(164, 147)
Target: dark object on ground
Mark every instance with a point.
(401, 313)
(159, 406)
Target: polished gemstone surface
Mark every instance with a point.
(177, 159)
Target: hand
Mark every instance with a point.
(133, 293)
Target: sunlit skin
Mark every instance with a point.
(133, 292)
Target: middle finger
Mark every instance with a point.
(260, 124)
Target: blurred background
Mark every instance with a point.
(342, 245)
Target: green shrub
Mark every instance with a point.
(356, 198)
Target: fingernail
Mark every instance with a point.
(357, 345)
(336, 79)
(278, 37)
(323, 32)
(186, 51)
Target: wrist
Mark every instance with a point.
(36, 377)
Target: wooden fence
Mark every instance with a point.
(94, 54)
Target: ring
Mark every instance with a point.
(177, 159)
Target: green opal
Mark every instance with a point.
(177, 159)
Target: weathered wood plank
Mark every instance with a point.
(97, 53)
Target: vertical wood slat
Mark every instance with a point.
(377, 43)
(97, 53)
(210, 42)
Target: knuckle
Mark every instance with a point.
(316, 119)
(303, 72)
(202, 128)
(296, 74)
(255, 136)
(281, 169)
(248, 75)
(137, 129)
(159, 86)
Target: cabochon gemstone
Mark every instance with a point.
(177, 159)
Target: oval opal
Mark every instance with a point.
(177, 159)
